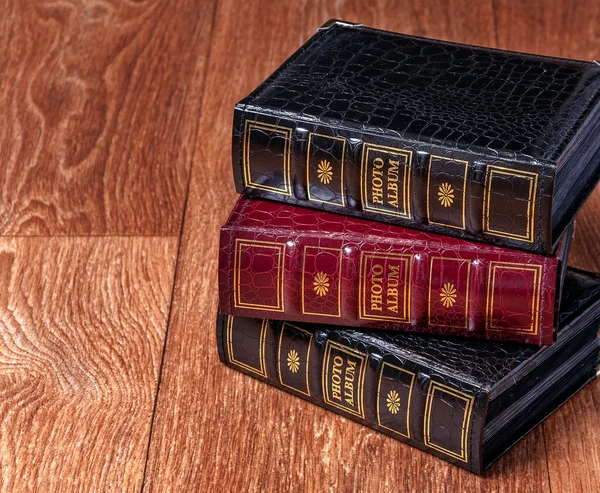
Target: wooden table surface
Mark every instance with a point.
(114, 178)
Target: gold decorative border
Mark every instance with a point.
(469, 399)
(407, 172)
(536, 299)
(339, 289)
(466, 326)
(533, 180)
(269, 127)
(362, 309)
(464, 194)
(280, 247)
(342, 191)
(412, 381)
(307, 357)
(360, 387)
(262, 371)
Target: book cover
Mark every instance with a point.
(291, 263)
(465, 401)
(470, 142)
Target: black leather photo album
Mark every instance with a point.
(465, 401)
(471, 142)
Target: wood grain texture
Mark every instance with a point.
(82, 324)
(100, 105)
(214, 426)
(107, 103)
(573, 443)
(569, 29)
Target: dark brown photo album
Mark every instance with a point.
(405, 197)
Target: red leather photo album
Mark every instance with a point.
(289, 263)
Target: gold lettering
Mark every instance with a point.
(342, 385)
(392, 292)
(392, 187)
(384, 287)
(377, 181)
(393, 275)
(377, 287)
(336, 379)
(388, 178)
(349, 382)
(376, 302)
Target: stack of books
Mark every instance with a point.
(398, 254)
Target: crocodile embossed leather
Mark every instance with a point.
(465, 401)
(470, 142)
(291, 263)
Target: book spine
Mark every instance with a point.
(393, 179)
(398, 396)
(372, 281)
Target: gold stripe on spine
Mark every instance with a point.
(362, 309)
(342, 194)
(536, 298)
(469, 400)
(268, 127)
(464, 194)
(466, 295)
(339, 289)
(284, 325)
(239, 244)
(412, 381)
(533, 180)
(262, 371)
(407, 154)
(362, 371)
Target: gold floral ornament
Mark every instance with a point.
(325, 172)
(321, 284)
(448, 295)
(393, 402)
(293, 361)
(446, 194)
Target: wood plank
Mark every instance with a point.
(563, 28)
(100, 104)
(82, 324)
(215, 426)
(573, 443)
